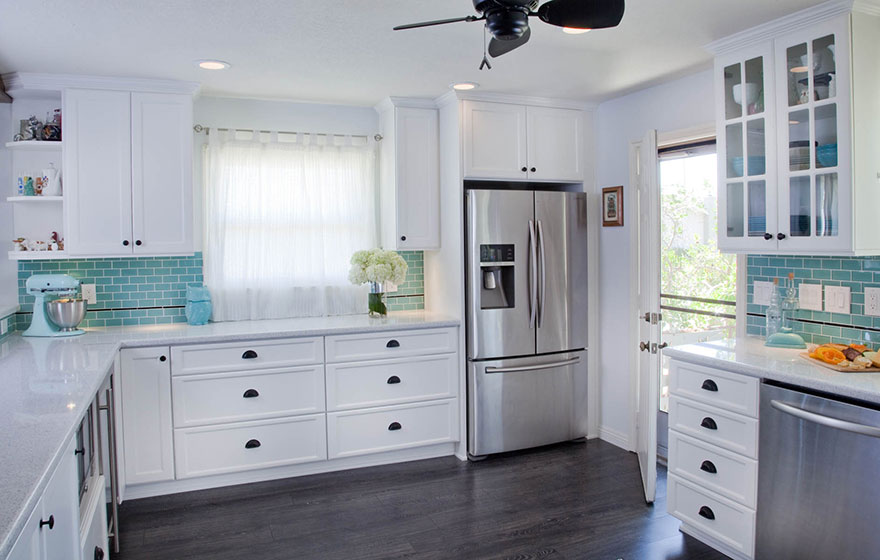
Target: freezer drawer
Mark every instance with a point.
(526, 402)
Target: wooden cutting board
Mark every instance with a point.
(836, 367)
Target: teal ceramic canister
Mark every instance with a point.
(198, 305)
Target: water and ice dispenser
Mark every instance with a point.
(497, 276)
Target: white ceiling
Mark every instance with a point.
(344, 51)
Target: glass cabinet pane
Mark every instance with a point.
(824, 68)
(753, 91)
(799, 206)
(735, 215)
(799, 140)
(734, 147)
(826, 135)
(732, 91)
(826, 205)
(798, 74)
(756, 162)
(757, 208)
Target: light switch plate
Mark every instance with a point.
(4, 326)
(837, 299)
(762, 293)
(89, 294)
(872, 301)
(810, 296)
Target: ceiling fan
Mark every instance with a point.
(508, 20)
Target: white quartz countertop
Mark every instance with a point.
(48, 383)
(749, 356)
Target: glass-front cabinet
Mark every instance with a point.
(746, 140)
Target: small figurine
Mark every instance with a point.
(57, 241)
(19, 244)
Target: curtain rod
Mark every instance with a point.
(207, 130)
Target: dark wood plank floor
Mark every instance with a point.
(570, 501)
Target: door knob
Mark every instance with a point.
(662, 345)
(780, 236)
(50, 523)
(524, 169)
(533, 170)
(644, 346)
(768, 236)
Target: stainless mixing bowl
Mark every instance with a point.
(66, 313)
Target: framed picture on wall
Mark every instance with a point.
(612, 206)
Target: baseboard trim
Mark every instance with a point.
(614, 438)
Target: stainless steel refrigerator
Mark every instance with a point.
(526, 294)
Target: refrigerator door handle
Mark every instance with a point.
(533, 276)
(534, 367)
(543, 274)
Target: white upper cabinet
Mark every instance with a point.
(409, 176)
(800, 174)
(128, 172)
(518, 142)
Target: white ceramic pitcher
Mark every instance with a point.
(51, 181)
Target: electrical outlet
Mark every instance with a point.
(89, 294)
(763, 291)
(810, 296)
(872, 301)
(837, 299)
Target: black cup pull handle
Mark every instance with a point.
(252, 444)
(251, 393)
(709, 385)
(709, 467)
(709, 424)
(249, 355)
(392, 344)
(707, 512)
(393, 380)
(50, 523)
(394, 426)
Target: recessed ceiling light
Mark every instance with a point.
(575, 30)
(213, 64)
(465, 86)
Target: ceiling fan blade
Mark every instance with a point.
(436, 22)
(498, 47)
(582, 14)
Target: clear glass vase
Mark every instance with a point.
(376, 301)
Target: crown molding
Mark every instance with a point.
(870, 7)
(409, 102)
(780, 26)
(447, 98)
(514, 99)
(36, 84)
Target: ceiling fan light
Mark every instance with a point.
(799, 70)
(213, 64)
(465, 86)
(575, 30)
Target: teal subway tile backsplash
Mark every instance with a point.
(820, 327)
(152, 290)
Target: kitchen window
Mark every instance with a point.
(283, 214)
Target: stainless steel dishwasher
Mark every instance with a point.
(818, 477)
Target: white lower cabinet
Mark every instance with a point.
(93, 525)
(713, 456)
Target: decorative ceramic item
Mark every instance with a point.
(51, 181)
(28, 186)
(377, 267)
(198, 305)
(19, 244)
(30, 128)
(38, 186)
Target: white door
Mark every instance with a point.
(418, 179)
(649, 312)
(555, 144)
(495, 141)
(97, 172)
(147, 436)
(161, 166)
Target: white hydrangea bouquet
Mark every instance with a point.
(376, 267)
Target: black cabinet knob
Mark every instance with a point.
(780, 236)
(162, 358)
(80, 451)
(709, 424)
(138, 243)
(707, 512)
(709, 385)
(709, 467)
(252, 444)
(393, 380)
(394, 426)
(249, 355)
(533, 170)
(524, 169)
(99, 553)
(251, 393)
(768, 236)
(50, 523)
(392, 344)
(125, 242)
(403, 238)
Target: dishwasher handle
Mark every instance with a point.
(535, 367)
(828, 421)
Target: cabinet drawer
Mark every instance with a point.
(731, 431)
(393, 427)
(723, 472)
(231, 397)
(355, 347)
(249, 445)
(243, 356)
(738, 393)
(733, 524)
(383, 382)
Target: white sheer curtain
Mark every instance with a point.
(281, 222)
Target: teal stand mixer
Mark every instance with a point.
(47, 288)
